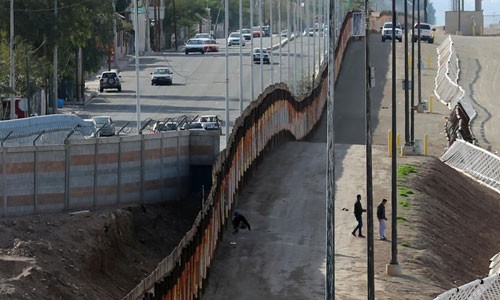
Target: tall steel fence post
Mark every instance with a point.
(35, 172)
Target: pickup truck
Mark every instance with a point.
(387, 32)
(426, 33)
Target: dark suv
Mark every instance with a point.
(109, 80)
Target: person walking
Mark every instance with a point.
(358, 212)
(381, 219)
(239, 221)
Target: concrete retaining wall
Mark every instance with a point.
(83, 174)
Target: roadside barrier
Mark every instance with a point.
(463, 155)
(475, 161)
(273, 118)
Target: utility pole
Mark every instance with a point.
(175, 25)
(406, 85)
(425, 12)
(12, 79)
(115, 41)
(56, 98)
(137, 84)
(369, 173)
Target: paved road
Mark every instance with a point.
(199, 83)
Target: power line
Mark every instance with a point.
(52, 9)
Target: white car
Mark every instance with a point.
(259, 53)
(386, 31)
(235, 39)
(161, 75)
(426, 33)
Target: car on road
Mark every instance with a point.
(105, 125)
(235, 39)
(109, 80)
(426, 32)
(161, 75)
(267, 30)
(247, 34)
(92, 127)
(210, 45)
(285, 34)
(257, 32)
(386, 31)
(259, 53)
(194, 45)
(310, 32)
(203, 36)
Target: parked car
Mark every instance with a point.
(261, 52)
(195, 126)
(208, 119)
(92, 127)
(210, 45)
(161, 75)
(105, 125)
(194, 45)
(426, 32)
(386, 31)
(235, 39)
(247, 34)
(109, 80)
(163, 126)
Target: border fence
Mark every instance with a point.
(275, 117)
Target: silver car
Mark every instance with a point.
(105, 125)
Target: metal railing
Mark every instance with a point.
(487, 288)
(475, 161)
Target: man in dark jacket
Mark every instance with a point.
(358, 212)
(239, 221)
(381, 219)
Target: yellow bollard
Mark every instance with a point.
(410, 62)
(389, 142)
(429, 58)
(426, 144)
(431, 103)
(398, 140)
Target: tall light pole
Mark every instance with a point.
(394, 269)
(226, 57)
(12, 75)
(288, 36)
(369, 179)
(308, 26)
(261, 54)
(406, 85)
(412, 98)
(279, 32)
(330, 163)
(295, 36)
(55, 62)
(137, 83)
(251, 46)
(271, 29)
(241, 56)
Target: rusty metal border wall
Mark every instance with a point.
(273, 118)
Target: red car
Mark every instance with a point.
(257, 32)
(210, 45)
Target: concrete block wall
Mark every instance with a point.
(84, 174)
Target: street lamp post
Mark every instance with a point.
(12, 75)
(137, 83)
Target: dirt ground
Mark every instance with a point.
(448, 227)
(450, 231)
(92, 255)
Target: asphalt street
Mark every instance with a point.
(199, 82)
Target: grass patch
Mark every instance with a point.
(402, 219)
(405, 192)
(404, 170)
(405, 244)
(404, 203)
